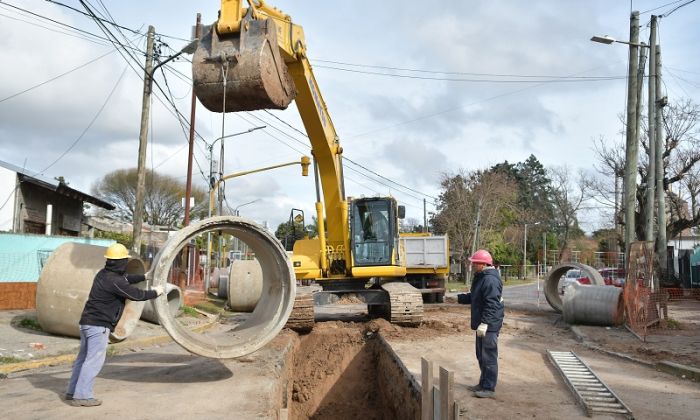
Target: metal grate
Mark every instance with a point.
(589, 390)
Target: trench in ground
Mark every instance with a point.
(347, 371)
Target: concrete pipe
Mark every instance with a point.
(221, 275)
(245, 285)
(174, 296)
(551, 287)
(593, 305)
(64, 285)
(276, 301)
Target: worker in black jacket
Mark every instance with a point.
(110, 289)
(486, 300)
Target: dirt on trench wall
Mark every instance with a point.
(336, 375)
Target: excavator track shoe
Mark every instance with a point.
(405, 304)
(256, 75)
(302, 317)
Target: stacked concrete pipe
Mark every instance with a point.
(64, 286)
(593, 305)
(271, 312)
(174, 296)
(551, 289)
(245, 285)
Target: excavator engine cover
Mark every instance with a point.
(256, 75)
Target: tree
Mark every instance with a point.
(489, 196)
(681, 154)
(567, 198)
(162, 203)
(289, 232)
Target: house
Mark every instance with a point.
(36, 216)
(32, 203)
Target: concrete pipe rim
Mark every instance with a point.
(271, 313)
(551, 288)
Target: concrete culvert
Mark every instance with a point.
(174, 296)
(551, 287)
(245, 285)
(593, 305)
(64, 286)
(271, 312)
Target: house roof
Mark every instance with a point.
(53, 185)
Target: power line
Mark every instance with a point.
(459, 73)
(667, 14)
(57, 77)
(453, 79)
(660, 7)
(89, 125)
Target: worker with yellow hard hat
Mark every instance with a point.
(105, 304)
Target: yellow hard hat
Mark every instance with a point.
(116, 252)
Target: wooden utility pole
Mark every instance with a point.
(143, 144)
(651, 111)
(660, 193)
(631, 147)
(188, 189)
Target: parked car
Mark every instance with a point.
(572, 276)
(613, 276)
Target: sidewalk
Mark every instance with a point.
(23, 348)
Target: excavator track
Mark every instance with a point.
(302, 317)
(405, 304)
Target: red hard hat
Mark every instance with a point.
(481, 256)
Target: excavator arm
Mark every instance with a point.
(255, 58)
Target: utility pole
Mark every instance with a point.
(631, 147)
(651, 109)
(143, 144)
(660, 193)
(193, 108)
(525, 252)
(425, 217)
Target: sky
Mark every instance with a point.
(482, 82)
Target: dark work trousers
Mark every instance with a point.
(487, 355)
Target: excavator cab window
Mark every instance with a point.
(372, 231)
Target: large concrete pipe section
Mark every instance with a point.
(174, 296)
(244, 285)
(221, 276)
(276, 301)
(593, 305)
(64, 285)
(551, 287)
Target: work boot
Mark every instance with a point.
(475, 388)
(485, 393)
(69, 397)
(89, 402)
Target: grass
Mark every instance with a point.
(112, 351)
(673, 324)
(9, 359)
(30, 324)
(210, 306)
(189, 311)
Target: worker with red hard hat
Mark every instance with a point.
(486, 300)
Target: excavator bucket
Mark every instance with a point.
(242, 71)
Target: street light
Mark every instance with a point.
(212, 182)
(631, 143)
(525, 248)
(235, 209)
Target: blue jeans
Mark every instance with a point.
(487, 355)
(91, 357)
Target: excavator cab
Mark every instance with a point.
(374, 231)
(238, 66)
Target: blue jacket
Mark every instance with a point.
(486, 299)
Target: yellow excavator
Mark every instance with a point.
(255, 58)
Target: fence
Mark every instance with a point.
(648, 308)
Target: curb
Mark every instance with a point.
(676, 369)
(8, 369)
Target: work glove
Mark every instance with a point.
(481, 330)
(158, 289)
